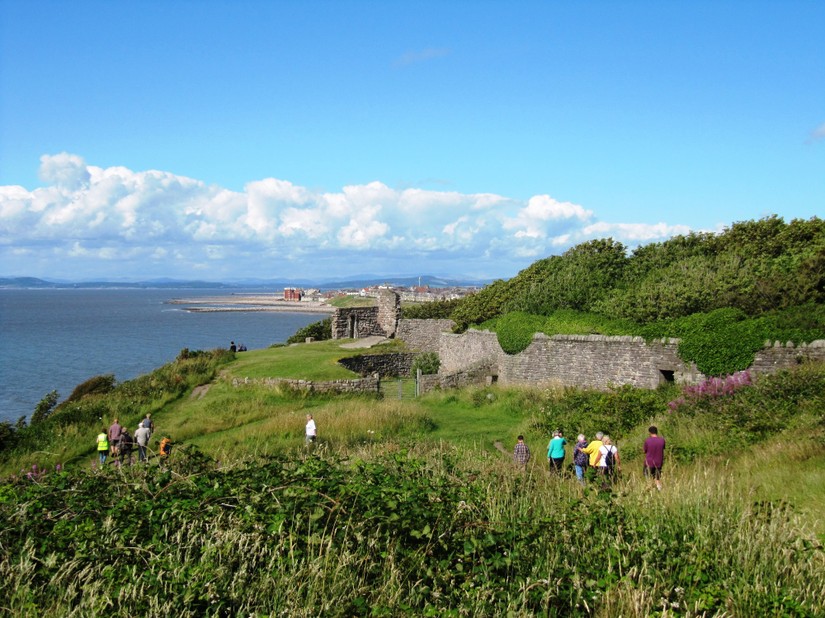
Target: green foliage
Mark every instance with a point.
(435, 310)
(577, 280)
(725, 340)
(128, 401)
(98, 385)
(704, 426)
(756, 266)
(44, 408)
(614, 412)
(515, 330)
(345, 537)
(320, 331)
(427, 362)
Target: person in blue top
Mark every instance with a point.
(555, 452)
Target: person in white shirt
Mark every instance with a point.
(311, 430)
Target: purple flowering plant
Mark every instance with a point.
(712, 388)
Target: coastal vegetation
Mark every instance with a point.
(408, 508)
(414, 507)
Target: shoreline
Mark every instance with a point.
(212, 304)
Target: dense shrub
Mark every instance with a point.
(614, 411)
(436, 310)
(320, 331)
(755, 266)
(427, 362)
(98, 385)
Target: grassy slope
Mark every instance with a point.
(238, 422)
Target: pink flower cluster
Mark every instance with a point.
(713, 387)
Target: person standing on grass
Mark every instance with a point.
(592, 449)
(654, 448)
(521, 453)
(115, 430)
(607, 461)
(555, 452)
(142, 439)
(102, 446)
(126, 443)
(580, 458)
(149, 423)
(311, 430)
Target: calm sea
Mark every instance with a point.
(56, 339)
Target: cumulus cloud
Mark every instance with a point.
(154, 222)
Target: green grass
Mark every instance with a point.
(308, 361)
(407, 508)
(346, 301)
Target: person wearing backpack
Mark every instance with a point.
(607, 460)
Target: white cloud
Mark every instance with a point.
(86, 217)
(633, 233)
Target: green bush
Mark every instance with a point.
(98, 385)
(427, 362)
(320, 331)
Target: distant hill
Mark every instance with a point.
(269, 284)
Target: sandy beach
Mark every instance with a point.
(249, 302)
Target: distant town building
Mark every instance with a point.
(294, 294)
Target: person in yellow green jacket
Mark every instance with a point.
(102, 446)
(592, 449)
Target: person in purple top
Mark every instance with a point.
(654, 456)
(580, 459)
(114, 437)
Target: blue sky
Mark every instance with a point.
(220, 140)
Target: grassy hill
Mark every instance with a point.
(410, 507)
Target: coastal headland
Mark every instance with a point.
(250, 302)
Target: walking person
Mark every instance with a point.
(521, 453)
(592, 451)
(607, 461)
(142, 438)
(115, 430)
(126, 444)
(149, 423)
(102, 446)
(555, 452)
(311, 431)
(580, 458)
(654, 448)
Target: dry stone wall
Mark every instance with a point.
(386, 365)
(423, 335)
(369, 384)
(776, 356)
(596, 361)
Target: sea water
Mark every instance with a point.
(54, 339)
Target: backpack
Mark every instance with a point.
(610, 459)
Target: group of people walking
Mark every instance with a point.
(598, 457)
(118, 443)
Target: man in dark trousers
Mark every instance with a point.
(654, 456)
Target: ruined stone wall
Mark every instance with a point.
(423, 335)
(368, 384)
(360, 322)
(389, 312)
(356, 323)
(776, 356)
(597, 361)
(386, 365)
(457, 352)
(589, 361)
